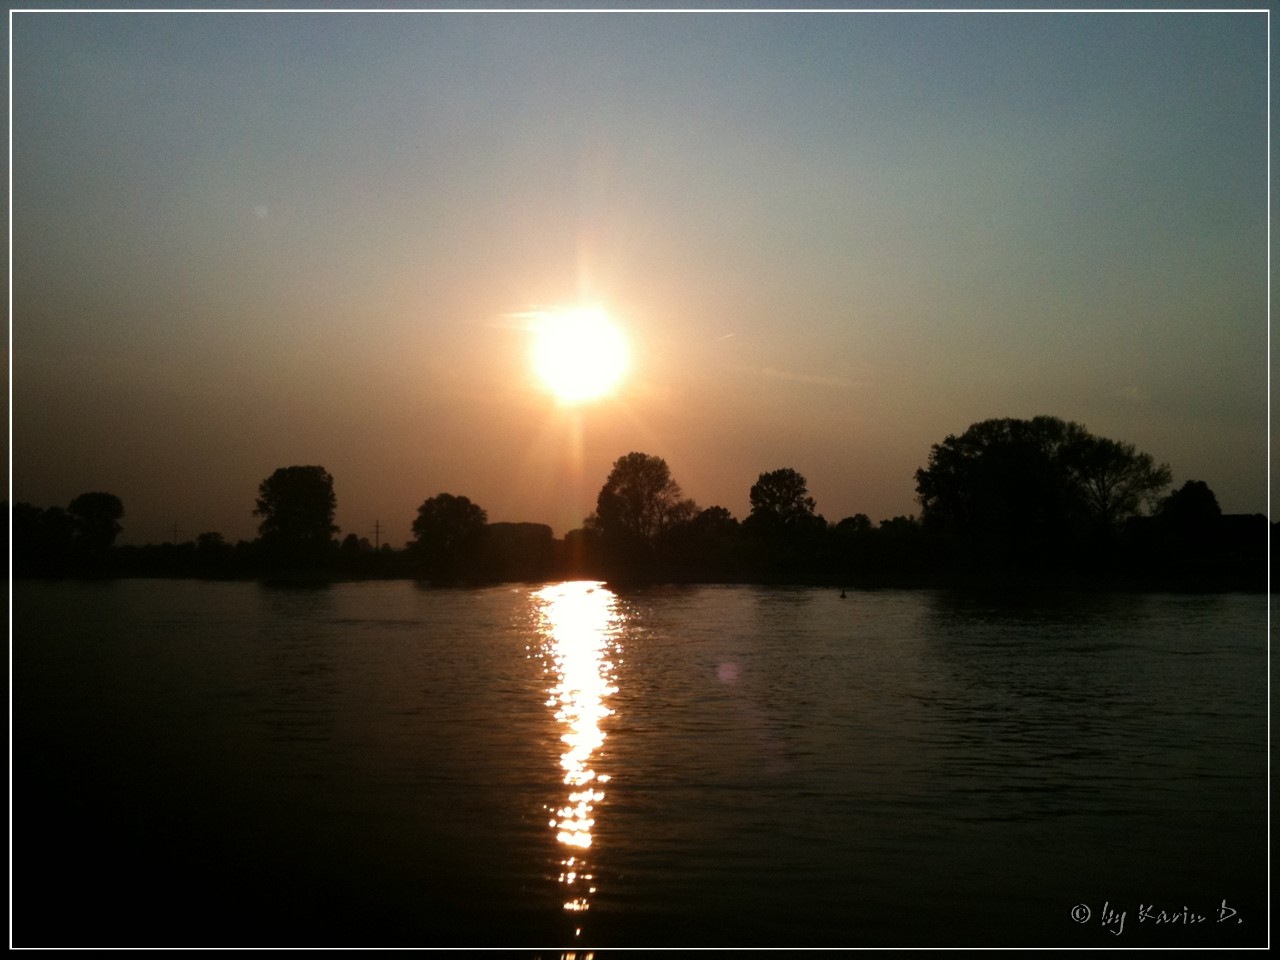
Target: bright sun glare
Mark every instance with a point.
(579, 354)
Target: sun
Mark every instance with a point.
(579, 354)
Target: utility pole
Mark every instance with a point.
(377, 531)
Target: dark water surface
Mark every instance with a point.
(562, 767)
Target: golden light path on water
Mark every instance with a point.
(581, 623)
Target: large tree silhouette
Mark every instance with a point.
(447, 535)
(95, 518)
(1036, 493)
(780, 502)
(638, 503)
(297, 506)
(640, 499)
(1113, 479)
(785, 530)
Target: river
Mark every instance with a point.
(566, 767)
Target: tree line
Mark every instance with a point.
(1006, 501)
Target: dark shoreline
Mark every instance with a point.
(1229, 581)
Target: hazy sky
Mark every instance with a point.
(243, 241)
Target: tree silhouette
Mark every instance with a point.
(297, 506)
(640, 499)
(705, 547)
(95, 518)
(447, 535)
(1114, 479)
(42, 540)
(859, 523)
(785, 532)
(780, 501)
(637, 504)
(716, 521)
(1192, 503)
(1188, 521)
(1031, 493)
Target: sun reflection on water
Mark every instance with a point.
(580, 624)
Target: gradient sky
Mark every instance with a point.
(244, 241)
